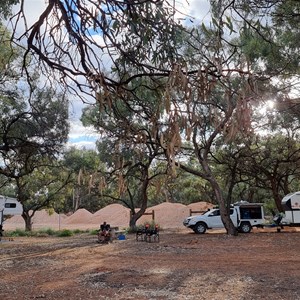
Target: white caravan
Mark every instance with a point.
(291, 206)
(9, 207)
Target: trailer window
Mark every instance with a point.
(10, 205)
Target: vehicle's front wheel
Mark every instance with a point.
(200, 228)
(245, 227)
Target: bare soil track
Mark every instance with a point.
(183, 265)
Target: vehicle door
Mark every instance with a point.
(214, 219)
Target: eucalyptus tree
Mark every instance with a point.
(273, 163)
(30, 131)
(43, 188)
(84, 165)
(129, 147)
(29, 135)
(203, 96)
(269, 38)
(81, 41)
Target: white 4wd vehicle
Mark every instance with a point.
(243, 214)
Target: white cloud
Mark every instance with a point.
(80, 135)
(82, 145)
(200, 10)
(78, 130)
(195, 10)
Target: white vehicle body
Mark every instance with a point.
(244, 216)
(9, 206)
(291, 205)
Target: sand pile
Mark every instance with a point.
(167, 215)
(80, 216)
(116, 215)
(200, 206)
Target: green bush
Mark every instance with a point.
(46, 231)
(64, 233)
(94, 231)
(17, 232)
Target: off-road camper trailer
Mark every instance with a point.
(291, 206)
(9, 207)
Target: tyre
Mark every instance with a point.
(245, 227)
(200, 228)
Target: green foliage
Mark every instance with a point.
(33, 130)
(270, 207)
(44, 232)
(64, 233)
(85, 166)
(17, 232)
(47, 232)
(8, 54)
(5, 7)
(94, 232)
(199, 84)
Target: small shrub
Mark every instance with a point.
(64, 233)
(45, 232)
(94, 232)
(41, 234)
(17, 232)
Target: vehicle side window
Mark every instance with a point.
(214, 213)
(231, 211)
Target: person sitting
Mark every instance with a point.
(104, 232)
(105, 227)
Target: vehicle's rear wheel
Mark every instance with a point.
(245, 227)
(200, 228)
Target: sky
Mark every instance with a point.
(80, 136)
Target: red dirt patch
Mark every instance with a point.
(183, 265)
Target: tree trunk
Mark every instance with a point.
(144, 201)
(224, 210)
(27, 218)
(276, 195)
(223, 206)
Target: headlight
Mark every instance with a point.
(186, 222)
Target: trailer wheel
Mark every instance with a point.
(200, 228)
(245, 227)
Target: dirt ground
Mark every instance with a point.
(182, 265)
